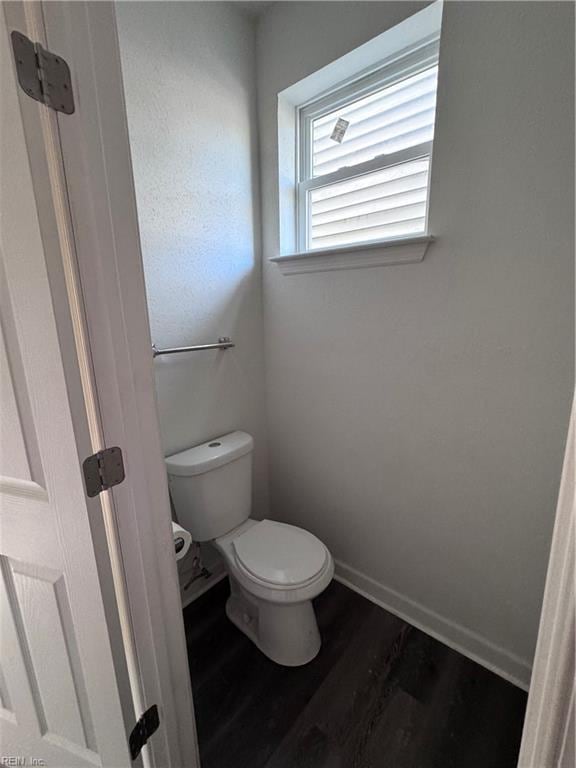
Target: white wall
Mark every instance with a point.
(418, 413)
(189, 72)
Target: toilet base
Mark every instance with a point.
(285, 632)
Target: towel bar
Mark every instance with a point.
(224, 342)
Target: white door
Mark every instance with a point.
(60, 694)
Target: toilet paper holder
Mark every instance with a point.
(182, 540)
(179, 544)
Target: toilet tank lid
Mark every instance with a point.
(215, 453)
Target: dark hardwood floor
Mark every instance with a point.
(380, 694)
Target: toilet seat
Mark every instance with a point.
(280, 556)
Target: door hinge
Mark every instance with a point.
(43, 75)
(102, 470)
(144, 728)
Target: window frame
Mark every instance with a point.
(409, 63)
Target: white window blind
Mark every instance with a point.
(365, 157)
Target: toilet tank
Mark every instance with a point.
(211, 485)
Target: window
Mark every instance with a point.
(364, 156)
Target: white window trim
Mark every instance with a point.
(417, 59)
(381, 162)
(412, 34)
(402, 250)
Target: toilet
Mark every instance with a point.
(275, 569)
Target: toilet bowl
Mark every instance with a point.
(275, 569)
(275, 572)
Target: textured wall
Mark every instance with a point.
(418, 413)
(189, 74)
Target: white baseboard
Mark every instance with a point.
(512, 668)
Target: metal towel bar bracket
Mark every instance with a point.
(224, 342)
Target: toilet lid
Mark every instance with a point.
(280, 554)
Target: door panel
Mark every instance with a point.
(59, 693)
(13, 463)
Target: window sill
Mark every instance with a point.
(407, 250)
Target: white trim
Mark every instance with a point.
(50, 133)
(567, 753)
(468, 643)
(381, 162)
(97, 165)
(42, 137)
(418, 29)
(406, 63)
(402, 64)
(408, 250)
(549, 723)
(417, 152)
